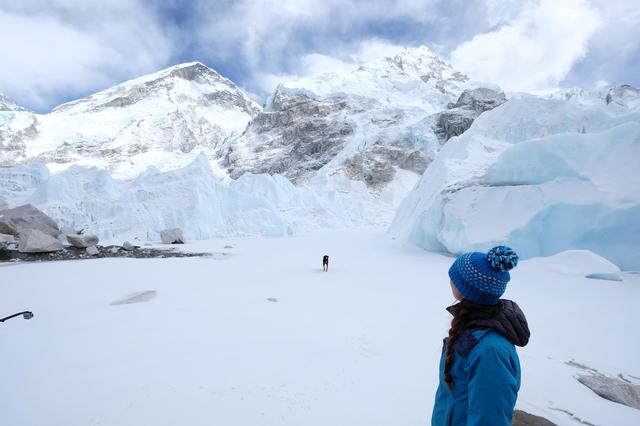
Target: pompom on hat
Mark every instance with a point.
(483, 277)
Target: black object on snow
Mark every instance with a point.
(25, 315)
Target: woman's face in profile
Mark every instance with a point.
(455, 291)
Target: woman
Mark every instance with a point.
(479, 367)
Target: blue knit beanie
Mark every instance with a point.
(483, 277)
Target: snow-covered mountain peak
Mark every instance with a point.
(413, 75)
(163, 119)
(192, 80)
(374, 123)
(8, 104)
(424, 63)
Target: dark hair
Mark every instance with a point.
(464, 313)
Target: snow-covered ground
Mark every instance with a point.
(358, 345)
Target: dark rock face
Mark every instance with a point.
(480, 99)
(462, 113)
(376, 165)
(296, 135)
(522, 418)
(302, 134)
(454, 123)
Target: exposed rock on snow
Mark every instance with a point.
(127, 246)
(73, 253)
(469, 106)
(454, 122)
(26, 217)
(33, 240)
(364, 124)
(522, 418)
(605, 276)
(92, 250)
(548, 175)
(143, 296)
(82, 240)
(480, 99)
(301, 130)
(172, 236)
(162, 119)
(615, 390)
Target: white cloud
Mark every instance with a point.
(57, 49)
(535, 51)
(292, 38)
(61, 48)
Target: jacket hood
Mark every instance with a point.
(509, 321)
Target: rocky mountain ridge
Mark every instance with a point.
(367, 124)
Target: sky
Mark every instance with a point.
(53, 51)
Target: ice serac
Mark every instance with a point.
(191, 198)
(542, 175)
(364, 125)
(163, 119)
(195, 200)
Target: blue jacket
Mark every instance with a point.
(486, 380)
(485, 370)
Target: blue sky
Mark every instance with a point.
(57, 50)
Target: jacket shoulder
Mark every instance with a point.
(491, 340)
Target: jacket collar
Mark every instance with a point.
(509, 320)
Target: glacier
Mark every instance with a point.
(540, 174)
(192, 198)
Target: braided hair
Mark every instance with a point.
(464, 313)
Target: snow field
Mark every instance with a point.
(358, 345)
